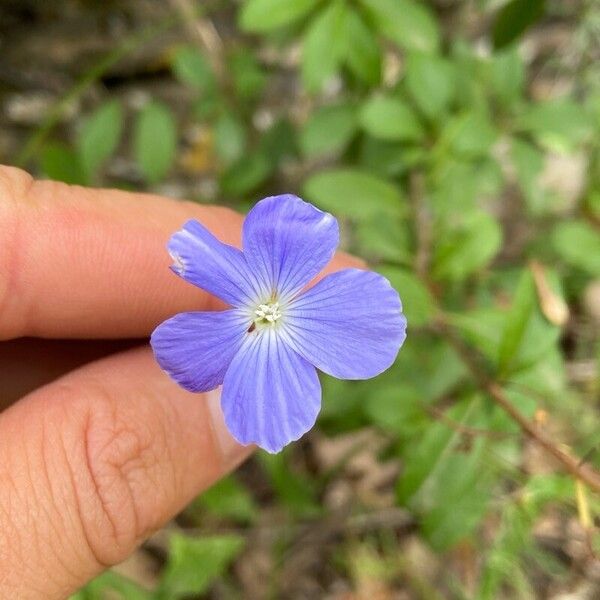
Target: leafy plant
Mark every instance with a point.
(437, 158)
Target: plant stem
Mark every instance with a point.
(574, 465)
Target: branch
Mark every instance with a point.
(574, 465)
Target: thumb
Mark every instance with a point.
(93, 463)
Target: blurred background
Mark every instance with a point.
(457, 142)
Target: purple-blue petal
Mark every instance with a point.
(349, 325)
(287, 242)
(196, 348)
(200, 258)
(271, 396)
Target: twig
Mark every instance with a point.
(570, 463)
(437, 413)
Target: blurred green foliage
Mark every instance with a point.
(433, 151)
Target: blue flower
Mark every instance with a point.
(265, 348)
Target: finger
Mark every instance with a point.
(93, 463)
(79, 262)
(29, 363)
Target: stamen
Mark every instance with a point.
(268, 313)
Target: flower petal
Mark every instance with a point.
(200, 258)
(271, 395)
(287, 242)
(196, 348)
(348, 325)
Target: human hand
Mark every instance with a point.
(96, 457)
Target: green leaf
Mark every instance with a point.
(195, 563)
(578, 244)
(417, 303)
(329, 130)
(246, 174)
(516, 322)
(430, 81)
(537, 346)
(481, 328)
(260, 16)
(428, 453)
(363, 54)
(507, 76)
(384, 238)
(342, 408)
(460, 493)
(325, 45)
(454, 186)
(408, 23)
(229, 137)
(395, 408)
(529, 162)
(592, 203)
(60, 163)
(388, 159)
(468, 247)
(249, 78)
(155, 141)
(295, 490)
(388, 118)
(559, 124)
(428, 364)
(229, 499)
(514, 18)
(470, 135)
(278, 143)
(115, 585)
(353, 193)
(192, 68)
(99, 136)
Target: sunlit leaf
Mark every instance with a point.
(329, 129)
(195, 563)
(155, 141)
(559, 124)
(529, 162)
(363, 54)
(353, 193)
(578, 243)
(516, 321)
(246, 174)
(99, 136)
(192, 68)
(395, 408)
(408, 23)
(229, 137)
(265, 15)
(507, 76)
(389, 118)
(229, 499)
(325, 45)
(468, 247)
(430, 80)
(424, 457)
(417, 302)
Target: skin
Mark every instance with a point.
(98, 448)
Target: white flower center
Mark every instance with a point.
(268, 313)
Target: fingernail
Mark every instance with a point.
(231, 450)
